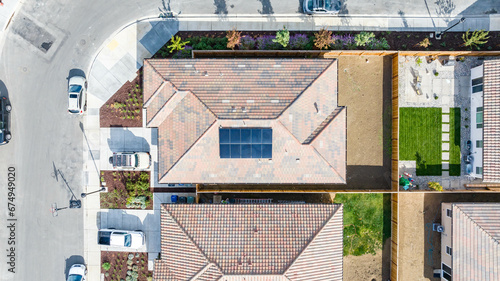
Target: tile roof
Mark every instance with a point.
(475, 241)
(313, 106)
(292, 162)
(304, 90)
(264, 87)
(183, 127)
(491, 126)
(152, 80)
(250, 242)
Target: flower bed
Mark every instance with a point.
(126, 190)
(124, 108)
(125, 266)
(379, 40)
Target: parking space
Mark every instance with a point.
(119, 139)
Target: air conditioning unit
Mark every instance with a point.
(437, 227)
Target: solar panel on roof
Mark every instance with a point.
(245, 143)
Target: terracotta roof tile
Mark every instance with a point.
(476, 241)
(313, 106)
(159, 100)
(491, 129)
(252, 241)
(242, 88)
(180, 130)
(152, 81)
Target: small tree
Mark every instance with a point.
(177, 44)
(435, 185)
(233, 38)
(478, 37)
(282, 37)
(323, 38)
(424, 43)
(363, 38)
(106, 266)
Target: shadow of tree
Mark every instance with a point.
(267, 8)
(220, 7)
(444, 9)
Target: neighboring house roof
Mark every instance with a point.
(475, 241)
(491, 127)
(190, 99)
(250, 242)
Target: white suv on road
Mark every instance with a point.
(77, 90)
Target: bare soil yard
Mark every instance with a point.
(369, 267)
(365, 89)
(419, 247)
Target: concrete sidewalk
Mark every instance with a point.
(120, 57)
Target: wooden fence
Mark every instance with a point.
(395, 124)
(394, 235)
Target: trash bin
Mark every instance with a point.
(182, 199)
(174, 198)
(190, 200)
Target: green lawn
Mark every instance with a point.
(420, 138)
(367, 221)
(455, 142)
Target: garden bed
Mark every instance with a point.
(343, 40)
(124, 187)
(116, 265)
(124, 108)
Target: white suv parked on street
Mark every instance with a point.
(77, 90)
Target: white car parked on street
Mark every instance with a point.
(77, 272)
(77, 90)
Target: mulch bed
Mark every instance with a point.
(118, 262)
(117, 180)
(450, 41)
(124, 108)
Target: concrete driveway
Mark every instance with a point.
(146, 220)
(127, 140)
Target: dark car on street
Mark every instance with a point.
(328, 7)
(5, 109)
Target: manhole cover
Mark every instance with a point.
(46, 45)
(83, 42)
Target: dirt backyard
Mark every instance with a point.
(419, 246)
(369, 267)
(365, 89)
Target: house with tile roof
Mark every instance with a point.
(470, 241)
(246, 121)
(485, 121)
(226, 242)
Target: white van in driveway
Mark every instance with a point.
(121, 238)
(130, 160)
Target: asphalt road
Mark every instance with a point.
(46, 139)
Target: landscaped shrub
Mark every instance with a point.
(299, 42)
(343, 42)
(247, 43)
(477, 38)
(364, 38)
(424, 43)
(435, 185)
(183, 54)
(282, 37)
(177, 44)
(233, 38)
(265, 42)
(208, 43)
(378, 44)
(323, 38)
(106, 266)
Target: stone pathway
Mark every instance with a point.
(445, 141)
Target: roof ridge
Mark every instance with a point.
(313, 238)
(475, 223)
(203, 270)
(163, 107)
(157, 73)
(308, 86)
(323, 124)
(328, 163)
(196, 141)
(185, 233)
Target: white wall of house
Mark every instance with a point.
(476, 128)
(446, 240)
